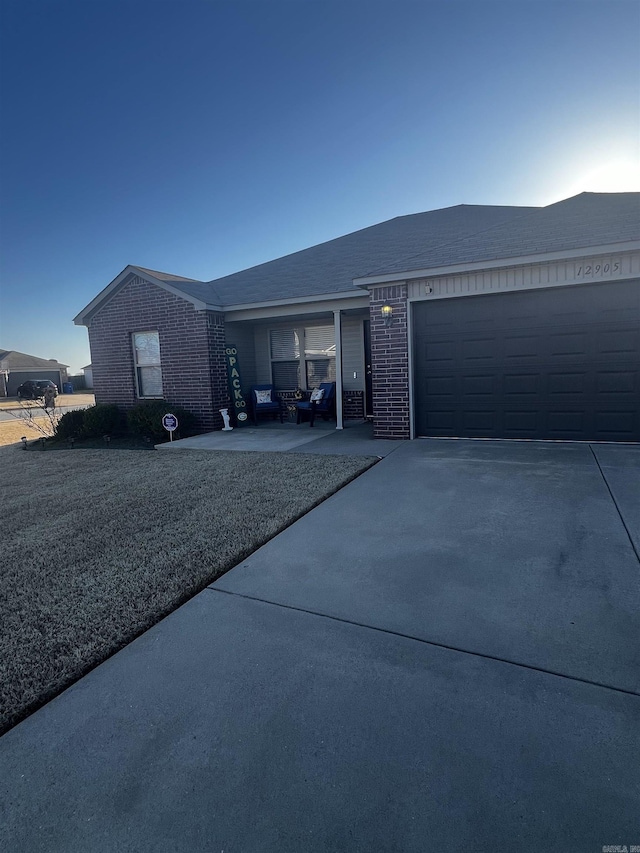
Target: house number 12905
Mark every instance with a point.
(598, 269)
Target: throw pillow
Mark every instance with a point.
(317, 395)
(263, 396)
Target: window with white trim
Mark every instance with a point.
(146, 358)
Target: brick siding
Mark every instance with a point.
(217, 366)
(353, 405)
(390, 363)
(192, 355)
(191, 350)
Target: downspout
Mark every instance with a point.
(337, 327)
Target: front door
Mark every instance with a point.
(368, 372)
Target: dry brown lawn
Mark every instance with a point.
(80, 399)
(12, 431)
(98, 545)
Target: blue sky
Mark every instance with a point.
(203, 137)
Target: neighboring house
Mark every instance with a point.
(88, 376)
(17, 367)
(475, 321)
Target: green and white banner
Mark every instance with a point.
(238, 404)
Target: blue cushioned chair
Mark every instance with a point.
(324, 407)
(273, 408)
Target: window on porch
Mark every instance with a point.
(320, 355)
(285, 359)
(294, 366)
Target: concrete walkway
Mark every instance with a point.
(442, 656)
(356, 439)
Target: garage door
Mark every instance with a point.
(560, 363)
(17, 378)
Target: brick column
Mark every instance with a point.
(390, 363)
(218, 366)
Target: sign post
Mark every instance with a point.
(170, 423)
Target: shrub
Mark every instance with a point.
(146, 419)
(71, 424)
(103, 419)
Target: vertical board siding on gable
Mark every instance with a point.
(186, 349)
(604, 268)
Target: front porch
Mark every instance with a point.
(295, 352)
(356, 439)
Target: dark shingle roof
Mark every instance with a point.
(13, 360)
(420, 241)
(165, 276)
(205, 291)
(331, 267)
(588, 219)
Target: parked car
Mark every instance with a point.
(33, 389)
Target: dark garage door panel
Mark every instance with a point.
(561, 363)
(17, 378)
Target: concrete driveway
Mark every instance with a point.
(442, 656)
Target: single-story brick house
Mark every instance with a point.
(476, 321)
(16, 367)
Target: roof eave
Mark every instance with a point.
(29, 368)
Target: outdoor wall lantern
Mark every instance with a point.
(387, 314)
